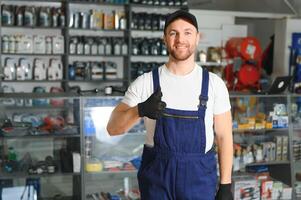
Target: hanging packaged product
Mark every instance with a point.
(108, 20)
(29, 16)
(55, 70)
(108, 46)
(7, 15)
(5, 44)
(10, 69)
(48, 44)
(97, 70)
(19, 15)
(58, 44)
(110, 70)
(39, 70)
(39, 45)
(44, 17)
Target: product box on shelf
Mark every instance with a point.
(246, 189)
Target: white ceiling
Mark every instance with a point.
(270, 6)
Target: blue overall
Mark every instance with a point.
(177, 167)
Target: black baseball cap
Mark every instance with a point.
(181, 14)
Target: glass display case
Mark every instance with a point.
(110, 162)
(58, 147)
(261, 145)
(40, 147)
(296, 143)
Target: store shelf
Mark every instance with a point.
(147, 31)
(47, 135)
(97, 29)
(30, 54)
(101, 3)
(99, 55)
(32, 81)
(112, 175)
(32, 27)
(211, 64)
(42, 1)
(159, 6)
(260, 131)
(5, 175)
(99, 81)
(286, 162)
(151, 56)
(36, 107)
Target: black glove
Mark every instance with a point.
(224, 192)
(153, 107)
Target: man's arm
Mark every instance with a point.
(122, 119)
(224, 139)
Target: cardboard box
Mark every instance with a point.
(246, 189)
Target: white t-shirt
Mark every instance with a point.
(182, 93)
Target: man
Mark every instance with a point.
(180, 103)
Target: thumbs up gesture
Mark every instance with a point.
(153, 107)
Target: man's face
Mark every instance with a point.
(181, 39)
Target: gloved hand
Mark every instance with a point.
(224, 192)
(153, 107)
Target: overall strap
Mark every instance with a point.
(156, 82)
(204, 93)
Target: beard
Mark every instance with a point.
(181, 55)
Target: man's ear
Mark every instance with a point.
(199, 37)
